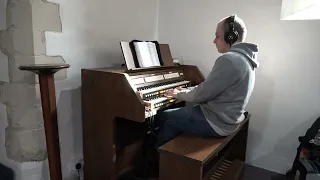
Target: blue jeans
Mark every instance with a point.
(173, 122)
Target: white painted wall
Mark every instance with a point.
(287, 77)
(91, 31)
(286, 99)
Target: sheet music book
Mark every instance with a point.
(155, 54)
(147, 54)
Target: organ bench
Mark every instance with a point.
(191, 157)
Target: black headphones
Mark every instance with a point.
(232, 35)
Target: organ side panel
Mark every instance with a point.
(105, 95)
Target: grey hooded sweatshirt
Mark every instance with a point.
(223, 96)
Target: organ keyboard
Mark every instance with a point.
(151, 89)
(117, 101)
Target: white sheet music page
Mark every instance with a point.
(146, 54)
(154, 54)
(138, 53)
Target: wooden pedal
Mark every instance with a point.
(221, 170)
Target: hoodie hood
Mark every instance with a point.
(249, 50)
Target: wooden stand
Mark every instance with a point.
(48, 98)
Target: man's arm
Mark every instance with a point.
(223, 75)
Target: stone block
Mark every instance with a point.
(34, 15)
(25, 117)
(36, 170)
(6, 43)
(20, 95)
(46, 16)
(25, 145)
(19, 14)
(16, 75)
(16, 42)
(39, 43)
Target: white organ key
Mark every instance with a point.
(154, 101)
(164, 87)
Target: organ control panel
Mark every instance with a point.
(151, 88)
(132, 95)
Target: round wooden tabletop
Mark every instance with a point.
(43, 66)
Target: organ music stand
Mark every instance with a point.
(130, 61)
(48, 99)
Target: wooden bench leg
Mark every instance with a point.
(240, 143)
(175, 168)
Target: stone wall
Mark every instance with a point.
(24, 43)
(91, 31)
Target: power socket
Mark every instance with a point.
(78, 166)
(73, 173)
(79, 169)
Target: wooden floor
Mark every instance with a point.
(254, 173)
(248, 173)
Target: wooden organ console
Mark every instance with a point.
(116, 102)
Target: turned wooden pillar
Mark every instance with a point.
(48, 99)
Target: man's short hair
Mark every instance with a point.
(239, 26)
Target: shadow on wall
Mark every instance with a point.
(260, 108)
(70, 131)
(286, 144)
(71, 127)
(264, 149)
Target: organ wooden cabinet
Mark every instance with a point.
(117, 102)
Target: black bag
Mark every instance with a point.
(311, 142)
(6, 173)
(312, 136)
(307, 159)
